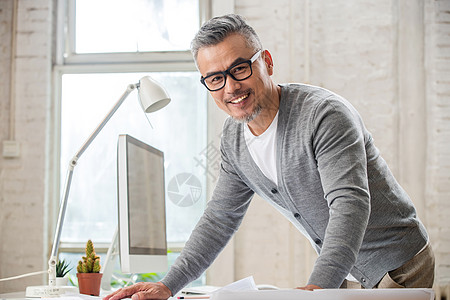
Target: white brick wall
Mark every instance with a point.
(5, 35)
(351, 47)
(437, 62)
(22, 183)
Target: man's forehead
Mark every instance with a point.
(221, 56)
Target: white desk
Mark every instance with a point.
(334, 294)
(21, 296)
(9, 296)
(288, 294)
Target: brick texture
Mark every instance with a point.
(437, 62)
(22, 185)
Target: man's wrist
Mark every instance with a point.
(163, 286)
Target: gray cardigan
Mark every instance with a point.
(333, 185)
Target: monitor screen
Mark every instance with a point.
(141, 196)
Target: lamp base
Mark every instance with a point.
(46, 291)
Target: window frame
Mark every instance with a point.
(59, 71)
(68, 56)
(69, 62)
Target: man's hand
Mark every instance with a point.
(142, 291)
(309, 287)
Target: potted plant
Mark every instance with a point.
(89, 276)
(62, 268)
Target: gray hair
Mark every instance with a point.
(217, 29)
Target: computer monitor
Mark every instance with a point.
(141, 204)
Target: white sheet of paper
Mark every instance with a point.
(245, 284)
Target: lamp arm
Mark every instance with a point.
(130, 88)
(64, 199)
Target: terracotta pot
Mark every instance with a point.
(89, 283)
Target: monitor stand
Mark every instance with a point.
(108, 266)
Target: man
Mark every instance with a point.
(306, 151)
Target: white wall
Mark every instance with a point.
(25, 97)
(390, 58)
(437, 172)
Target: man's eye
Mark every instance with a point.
(215, 79)
(239, 69)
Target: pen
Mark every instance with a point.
(194, 297)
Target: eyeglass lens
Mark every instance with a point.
(239, 72)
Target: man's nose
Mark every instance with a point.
(231, 85)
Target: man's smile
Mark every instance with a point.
(239, 99)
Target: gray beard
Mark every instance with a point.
(247, 119)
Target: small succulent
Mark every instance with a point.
(62, 268)
(91, 262)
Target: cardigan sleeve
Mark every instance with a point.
(339, 147)
(221, 219)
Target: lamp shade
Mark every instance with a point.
(152, 95)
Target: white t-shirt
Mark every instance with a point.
(263, 149)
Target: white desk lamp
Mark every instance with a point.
(152, 98)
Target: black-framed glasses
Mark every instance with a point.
(239, 71)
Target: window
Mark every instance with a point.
(137, 26)
(108, 45)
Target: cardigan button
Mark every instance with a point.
(317, 241)
(297, 215)
(274, 191)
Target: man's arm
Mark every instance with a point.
(339, 146)
(221, 219)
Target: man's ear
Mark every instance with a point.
(268, 61)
